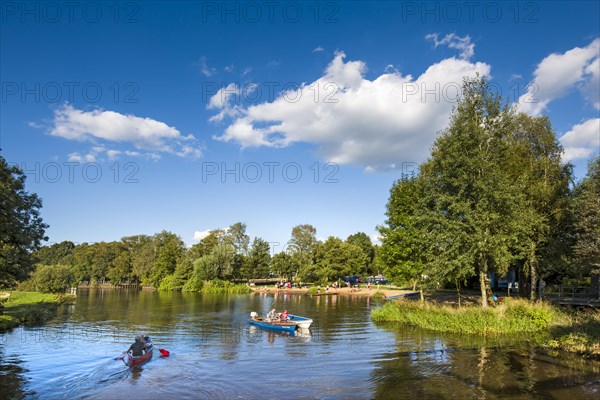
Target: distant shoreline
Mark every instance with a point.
(362, 292)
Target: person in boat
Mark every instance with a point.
(272, 315)
(138, 348)
(147, 342)
(284, 316)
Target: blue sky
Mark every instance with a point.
(134, 117)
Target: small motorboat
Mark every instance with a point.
(302, 322)
(273, 325)
(139, 360)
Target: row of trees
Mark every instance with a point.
(493, 195)
(163, 261)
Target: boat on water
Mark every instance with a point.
(272, 324)
(140, 360)
(302, 322)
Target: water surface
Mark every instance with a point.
(215, 354)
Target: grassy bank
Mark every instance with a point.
(580, 334)
(511, 317)
(573, 331)
(29, 308)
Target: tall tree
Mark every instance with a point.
(336, 259)
(259, 258)
(239, 238)
(472, 203)
(170, 249)
(363, 240)
(302, 246)
(586, 210)
(284, 265)
(21, 226)
(534, 164)
(403, 249)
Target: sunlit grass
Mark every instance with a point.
(510, 317)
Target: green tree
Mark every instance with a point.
(586, 211)
(472, 205)
(363, 240)
(54, 254)
(404, 249)
(302, 246)
(120, 268)
(142, 250)
(53, 278)
(336, 259)
(170, 249)
(237, 234)
(259, 258)
(284, 265)
(21, 226)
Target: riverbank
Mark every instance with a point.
(569, 330)
(28, 308)
(363, 292)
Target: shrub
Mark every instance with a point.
(193, 285)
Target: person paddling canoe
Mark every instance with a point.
(138, 348)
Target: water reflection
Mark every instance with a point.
(427, 365)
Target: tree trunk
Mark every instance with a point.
(458, 293)
(533, 272)
(484, 300)
(421, 295)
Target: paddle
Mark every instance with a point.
(164, 353)
(120, 358)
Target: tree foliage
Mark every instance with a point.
(492, 195)
(586, 211)
(21, 226)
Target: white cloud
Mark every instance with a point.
(143, 133)
(591, 88)
(318, 49)
(199, 235)
(96, 154)
(582, 141)
(376, 123)
(204, 68)
(85, 158)
(557, 73)
(452, 40)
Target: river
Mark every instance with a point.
(215, 354)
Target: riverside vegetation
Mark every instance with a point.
(577, 332)
(29, 308)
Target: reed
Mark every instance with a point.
(510, 317)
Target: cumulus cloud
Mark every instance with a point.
(556, 74)
(110, 126)
(452, 40)
(582, 141)
(377, 124)
(199, 235)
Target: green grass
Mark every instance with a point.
(29, 308)
(510, 317)
(580, 334)
(218, 286)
